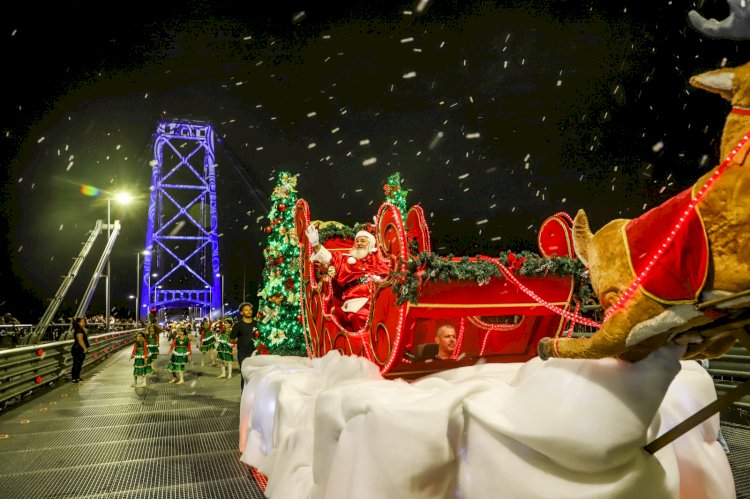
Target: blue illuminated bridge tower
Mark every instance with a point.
(181, 266)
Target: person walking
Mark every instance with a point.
(153, 331)
(243, 335)
(224, 347)
(207, 343)
(141, 364)
(181, 353)
(80, 347)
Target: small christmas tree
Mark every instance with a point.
(279, 319)
(395, 194)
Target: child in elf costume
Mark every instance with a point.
(225, 348)
(181, 353)
(152, 338)
(141, 365)
(207, 343)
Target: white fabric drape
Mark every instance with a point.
(333, 428)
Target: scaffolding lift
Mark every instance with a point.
(62, 291)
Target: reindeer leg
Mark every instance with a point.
(609, 341)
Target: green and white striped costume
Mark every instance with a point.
(223, 343)
(141, 364)
(180, 354)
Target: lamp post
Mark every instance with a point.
(222, 293)
(210, 307)
(151, 297)
(138, 283)
(137, 289)
(134, 298)
(122, 198)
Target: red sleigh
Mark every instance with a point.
(495, 322)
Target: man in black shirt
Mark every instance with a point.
(242, 335)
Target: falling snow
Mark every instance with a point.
(422, 5)
(347, 87)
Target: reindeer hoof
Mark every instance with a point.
(543, 348)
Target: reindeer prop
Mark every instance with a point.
(716, 267)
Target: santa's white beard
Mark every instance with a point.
(359, 253)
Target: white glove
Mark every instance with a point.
(312, 235)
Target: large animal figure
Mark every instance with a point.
(709, 264)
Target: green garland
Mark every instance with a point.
(429, 266)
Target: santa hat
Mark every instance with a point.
(370, 237)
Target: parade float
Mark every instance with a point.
(625, 414)
(365, 415)
(500, 306)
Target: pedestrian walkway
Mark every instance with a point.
(102, 438)
(738, 438)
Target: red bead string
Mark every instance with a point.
(573, 323)
(620, 303)
(564, 313)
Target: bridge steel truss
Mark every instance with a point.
(181, 263)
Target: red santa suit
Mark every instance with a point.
(354, 278)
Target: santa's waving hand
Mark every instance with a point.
(312, 236)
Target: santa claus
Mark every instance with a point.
(353, 273)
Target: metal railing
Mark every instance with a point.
(11, 335)
(730, 370)
(24, 369)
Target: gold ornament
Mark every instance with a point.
(277, 298)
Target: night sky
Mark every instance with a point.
(496, 115)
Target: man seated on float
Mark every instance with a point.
(445, 337)
(352, 272)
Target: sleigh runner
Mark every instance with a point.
(496, 320)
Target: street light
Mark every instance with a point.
(138, 283)
(210, 303)
(122, 198)
(222, 293)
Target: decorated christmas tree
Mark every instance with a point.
(279, 319)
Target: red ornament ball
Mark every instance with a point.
(299, 318)
(282, 207)
(268, 229)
